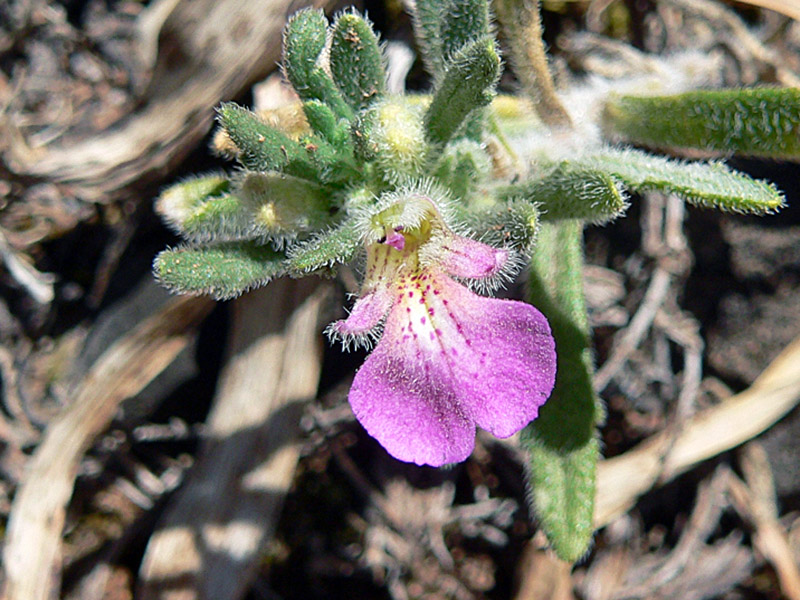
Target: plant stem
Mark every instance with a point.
(522, 24)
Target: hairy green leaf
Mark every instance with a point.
(326, 249)
(261, 146)
(754, 122)
(263, 206)
(284, 206)
(322, 120)
(356, 61)
(304, 40)
(222, 272)
(264, 148)
(333, 164)
(427, 19)
(513, 224)
(468, 83)
(704, 184)
(571, 192)
(220, 219)
(462, 22)
(179, 201)
(463, 165)
(561, 443)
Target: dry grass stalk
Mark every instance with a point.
(622, 479)
(739, 39)
(543, 576)
(756, 501)
(636, 330)
(522, 23)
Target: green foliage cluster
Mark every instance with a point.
(297, 197)
(293, 205)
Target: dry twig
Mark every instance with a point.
(210, 51)
(622, 479)
(756, 501)
(637, 328)
(33, 545)
(207, 545)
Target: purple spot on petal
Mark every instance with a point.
(422, 320)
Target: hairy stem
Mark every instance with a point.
(522, 24)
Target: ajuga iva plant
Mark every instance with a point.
(443, 198)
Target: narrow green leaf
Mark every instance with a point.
(561, 443)
(513, 224)
(356, 61)
(222, 272)
(571, 192)
(364, 135)
(304, 40)
(427, 19)
(263, 206)
(179, 201)
(261, 146)
(322, 120)
(468, 83)
(284, 206)
(462, 22)
(326, 249)
(333, 164)
(754, 122)
(221, 219)
(704, 184)
(264, 148)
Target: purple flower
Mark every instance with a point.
(448, 359)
